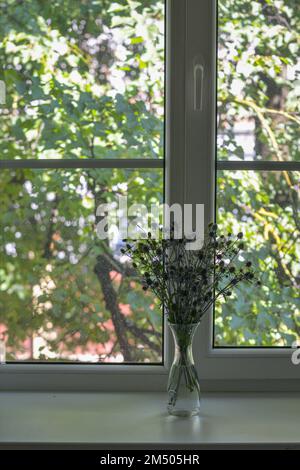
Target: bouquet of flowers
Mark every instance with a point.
(188, 282)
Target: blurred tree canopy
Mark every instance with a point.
(85, 79)
(259, 118)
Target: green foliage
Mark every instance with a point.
(258, 89)
(84, 79)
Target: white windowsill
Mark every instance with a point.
(139, 420)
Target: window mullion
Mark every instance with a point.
(83, 163)
(258, 165)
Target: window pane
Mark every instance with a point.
(66, 295)
(83, 79)
(266, 207)
(258, 80)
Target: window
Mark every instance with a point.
(258, 166)
(247, 172)
(83, 123)
(231, 165)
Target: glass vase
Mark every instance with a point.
(183, 384)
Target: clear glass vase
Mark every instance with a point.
(183, 384)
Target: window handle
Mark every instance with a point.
(198, 86)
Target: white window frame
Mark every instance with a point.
(221, 368)
(190, 176)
